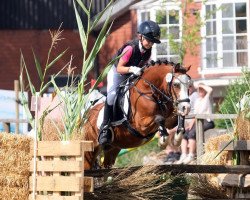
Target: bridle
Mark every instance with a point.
(164, 98)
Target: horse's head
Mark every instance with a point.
(178, 82)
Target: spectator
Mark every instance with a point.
(203, 105)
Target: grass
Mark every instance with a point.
(135, 156)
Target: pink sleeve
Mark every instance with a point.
(127, 52)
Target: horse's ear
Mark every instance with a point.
(188, 68)
(177, 67)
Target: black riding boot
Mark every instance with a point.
(105, 136)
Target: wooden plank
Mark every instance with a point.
(6, 127)
(88, 184)
(62, 148)
(239, 145)
(199, 123)
(234, 180)
(87, 146)
(58, 166)
(217, 169)
(216, 116)
(16, 88)
(8, 120)
(49, 197)
(60, 183)
(80, 175)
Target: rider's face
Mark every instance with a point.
(146, 43)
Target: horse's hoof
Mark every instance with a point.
(163, 141)
(177, 138)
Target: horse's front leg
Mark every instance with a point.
(160, 120)
(180, 129)
(110, 157)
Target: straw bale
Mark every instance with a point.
(214, 158)
(14, 193)
(50, 129)
(213, 143)
(13, 141)
(53, 128)
(243, 126)
(14, 166)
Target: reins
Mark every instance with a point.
(160, 101)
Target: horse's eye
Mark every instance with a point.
(176, 85)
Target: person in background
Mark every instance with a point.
(173, 151)
(202, 105)
(135, 54)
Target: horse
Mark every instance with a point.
(157, 98)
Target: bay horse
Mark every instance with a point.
(157, 97)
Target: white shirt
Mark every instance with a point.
(203, 105)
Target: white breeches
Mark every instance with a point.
(113, 80)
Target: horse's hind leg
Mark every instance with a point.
(110, 157)
(90, 158)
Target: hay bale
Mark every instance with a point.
(243, 126)
(14, 193)
(214, 158)
(14, 166)
(50, 129)
(213, 144)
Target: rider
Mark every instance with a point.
(136, 53)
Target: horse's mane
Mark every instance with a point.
(178, 68)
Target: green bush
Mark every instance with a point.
(234, 93)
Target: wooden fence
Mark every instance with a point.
(199, 128)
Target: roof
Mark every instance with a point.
(43, 14)
(118, 9)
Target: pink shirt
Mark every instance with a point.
(127, 53)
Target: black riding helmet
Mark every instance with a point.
(150, 30)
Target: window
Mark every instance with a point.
(225, 44)
(168, 17)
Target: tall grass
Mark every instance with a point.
(74, 96)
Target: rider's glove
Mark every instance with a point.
(135, 70)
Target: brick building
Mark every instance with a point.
(220, 57)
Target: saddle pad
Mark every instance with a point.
(115, 123)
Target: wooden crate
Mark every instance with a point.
(60, 171)
(238, 185)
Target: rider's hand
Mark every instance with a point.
(135, 70)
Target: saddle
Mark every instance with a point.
(122, 111)
(121, 108)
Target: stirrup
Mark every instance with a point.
(105, 136)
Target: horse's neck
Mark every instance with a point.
(156, 76)
(157, 73)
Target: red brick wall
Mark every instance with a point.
(26, 40)
(193, 59)
(123, 30)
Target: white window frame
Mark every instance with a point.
(152, 9)
(219, 36)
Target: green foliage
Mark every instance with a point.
(234, 93)
(42, 72)
(134, 157)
